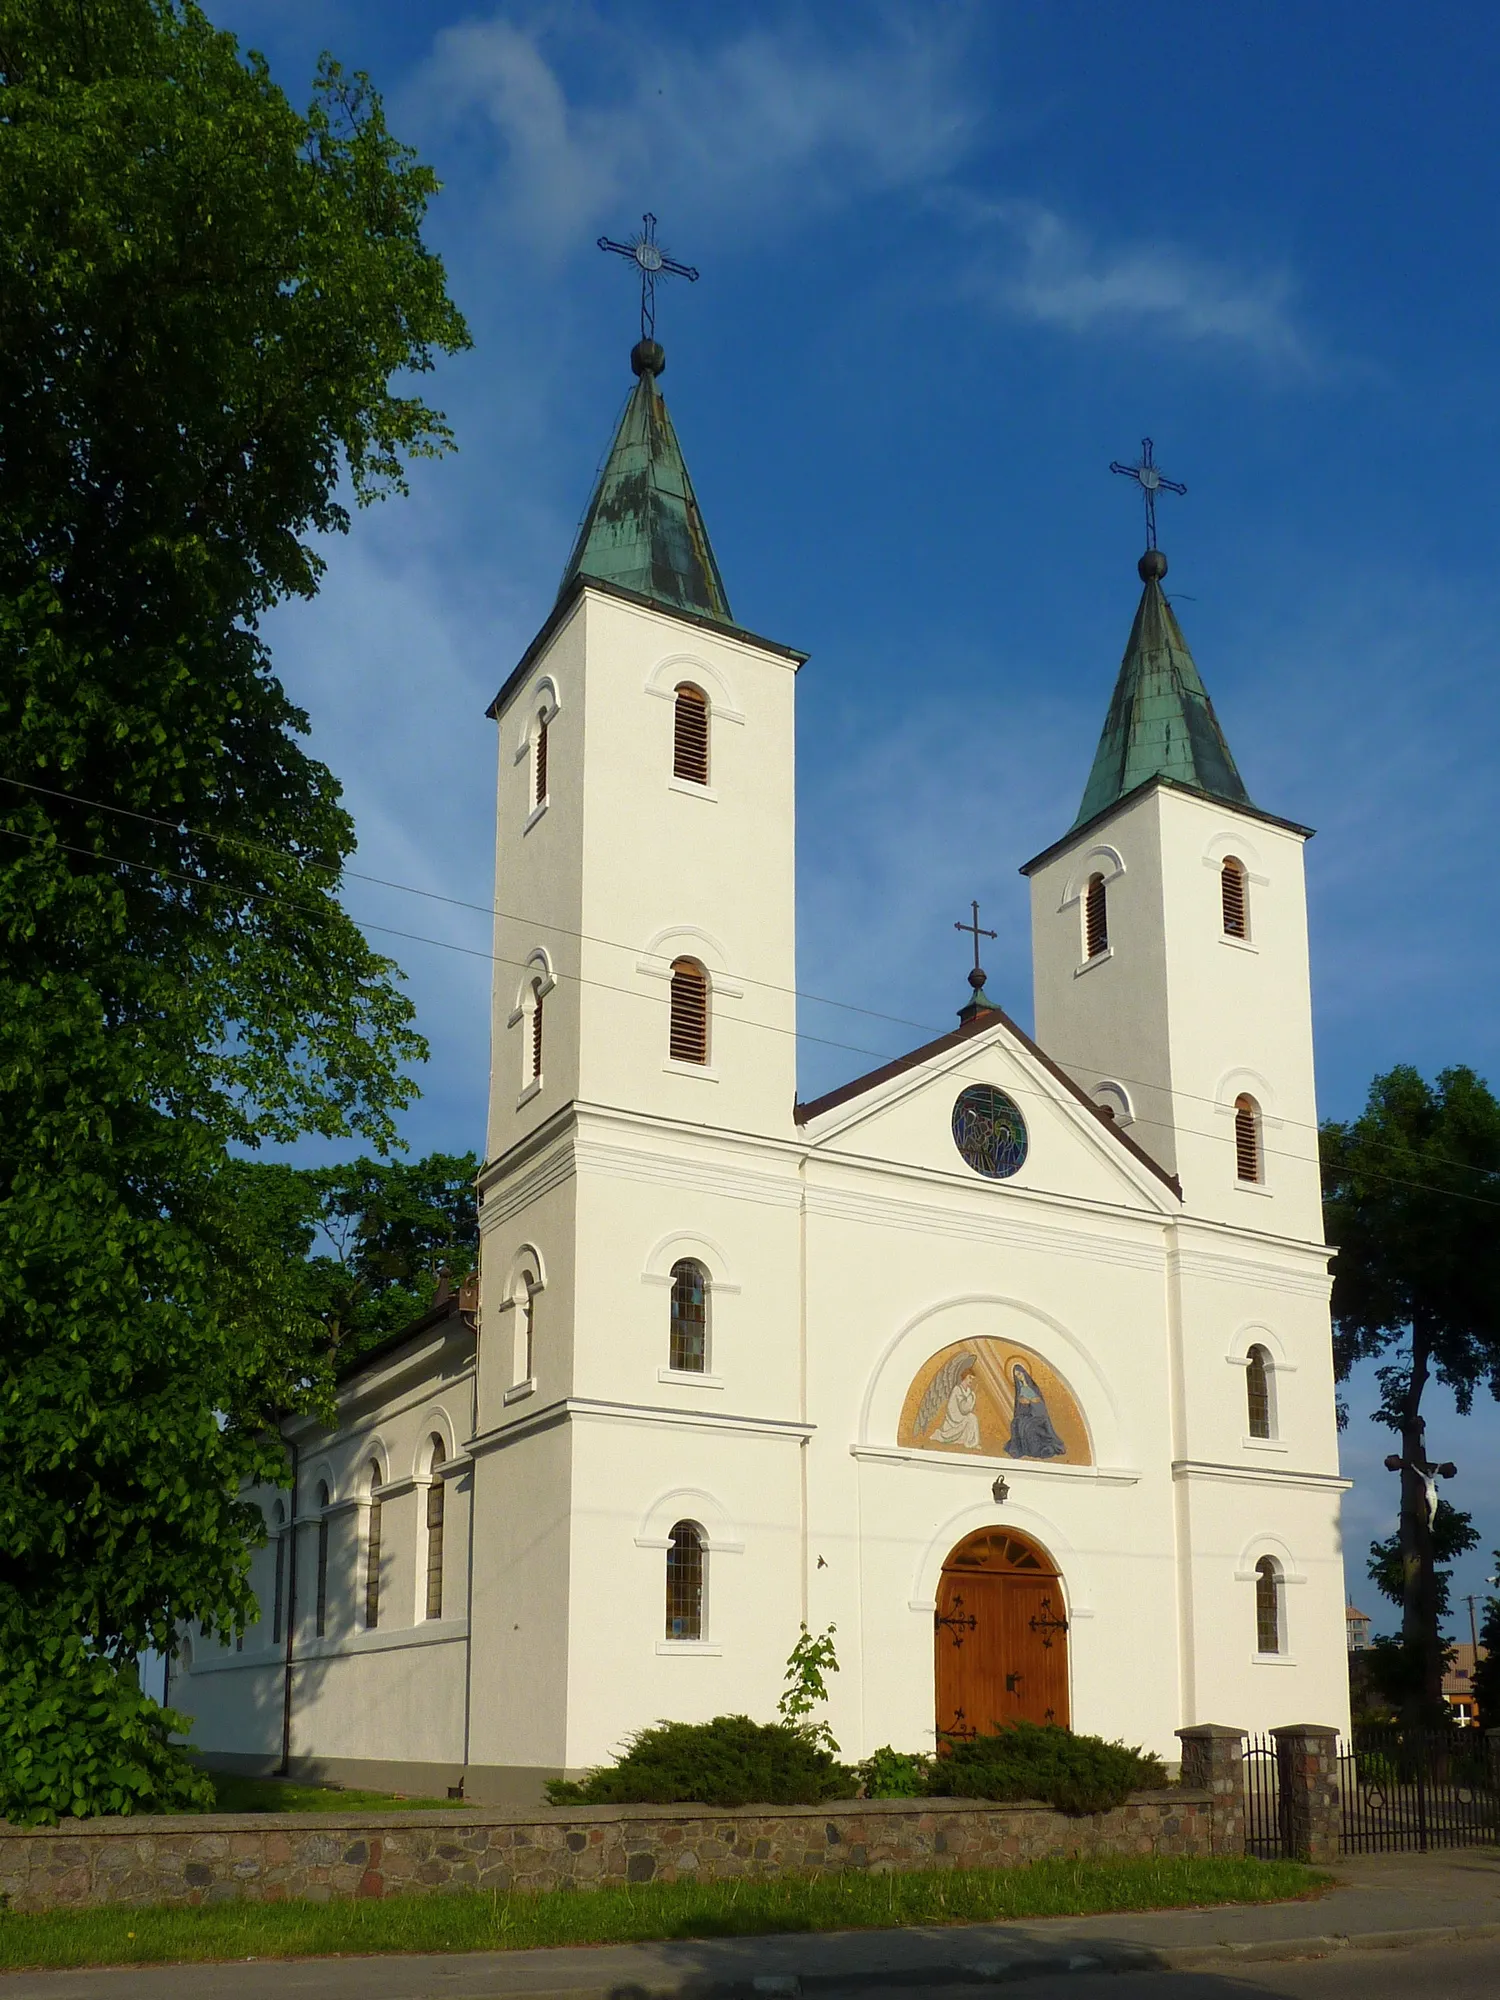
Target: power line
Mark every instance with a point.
(634, 993)
(494, 912)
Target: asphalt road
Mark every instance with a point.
(1468, 1971)
(1447, 1972)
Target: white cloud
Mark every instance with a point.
(766, 113)
(1048, 271)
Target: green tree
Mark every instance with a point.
(366, 1244)
(1412, 1203)
(1487, 1670)
(205, 298)
(1453, 1535)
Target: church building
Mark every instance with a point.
(1010, 1360)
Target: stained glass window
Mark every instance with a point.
(685, 1582)
(989, 1131)
(688, 1348)
(1258, 1392)
(1267, 1607)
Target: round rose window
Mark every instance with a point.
(989, 1131)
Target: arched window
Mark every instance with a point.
(689, 1343)
(321, 1600)
(526, 1342)
(1247, 1156)
(1095, 918)
(689, 1033)
(372, 1553)
(690, 735)
(435, 1529)
(278, 1601)
(1258, 1392)
(1236, 903)
(536, 1030)
(539, 763)
(1267, 1606)
(685, 1582)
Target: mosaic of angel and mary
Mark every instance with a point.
(997, 1399)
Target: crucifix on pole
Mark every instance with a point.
(653, 263)
(1151, 480)
(973, 927)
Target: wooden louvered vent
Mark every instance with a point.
(540, 792)
(536, 1030)
(1246, 1139)
(690, 736)
(689, 1034)
(1232, 880)
(1095, 918)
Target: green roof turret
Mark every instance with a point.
(1161, 723)
(643, 530)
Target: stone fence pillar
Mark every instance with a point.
(1307, 1776)
(1213, 1761)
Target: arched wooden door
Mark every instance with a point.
(1001, 1636)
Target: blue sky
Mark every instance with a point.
(955, 259)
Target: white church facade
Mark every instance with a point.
(1010, 1360)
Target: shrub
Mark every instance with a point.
(730, 1761)
(893, 1774)
(1032, 1760)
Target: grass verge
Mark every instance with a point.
(478, 1921)
(237, 1795)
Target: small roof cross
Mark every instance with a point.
(653, 263)
(1151, 480)
(976, 977)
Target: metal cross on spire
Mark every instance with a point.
(1151, 480)
(976, 977)
(653, 263)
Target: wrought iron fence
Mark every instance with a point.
(1408, 1790)
(1263, 1829)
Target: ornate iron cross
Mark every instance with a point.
(653, 263)
(1151, 480)
(977, 933)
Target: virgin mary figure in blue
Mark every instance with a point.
(1031, 1432)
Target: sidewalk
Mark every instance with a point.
(1382, 1900)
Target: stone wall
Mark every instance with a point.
(265, 1857)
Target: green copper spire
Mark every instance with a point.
(1161, 723)
(643, 530)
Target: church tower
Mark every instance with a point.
(1169, 940)
(642, 1083)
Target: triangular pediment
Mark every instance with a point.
(948, 1107)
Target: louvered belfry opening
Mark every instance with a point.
(1258, 1392)
(1267, 1607)
(689, 1035)
(689, 1343)
(685, 1581)
(536, 1028)
(690, 735)
(1095, 918)
(1232, 884)
(1246, 1139)
(372, 1554)
(540, 764)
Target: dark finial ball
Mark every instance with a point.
(976, 979)
(648, 357)
(1152, 566)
